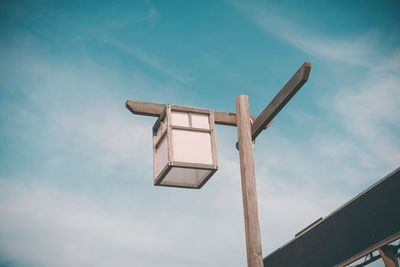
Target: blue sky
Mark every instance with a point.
(76, 166)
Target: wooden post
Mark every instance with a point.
(249, 192)
(388, 254)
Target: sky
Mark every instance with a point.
(76, 186)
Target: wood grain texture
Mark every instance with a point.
(249, 192)
(155, 110)
(281, 99)
(388, 254)
(144, 108)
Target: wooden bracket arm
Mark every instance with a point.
(155, 110)
(281, 99)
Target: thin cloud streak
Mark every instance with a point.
(103, 35)
(147, 59)
(357, 51)
(82, 228)
(370, 111)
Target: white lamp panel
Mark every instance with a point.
(191, 146)
(185, 177)
(180, 119)
(200, 121)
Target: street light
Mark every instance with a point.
(184, 152)
(184, 148)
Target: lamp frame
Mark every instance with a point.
(166, 115)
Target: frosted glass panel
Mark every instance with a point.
(185, 177)
(200, 121)
(161, 157)
(180, 119)
(190, 146)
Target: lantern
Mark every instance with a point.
(184, 149)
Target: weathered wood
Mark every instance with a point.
(388, 254)
(364, 253)
(155, 110)
(249, 192)
(225, 118)
(144, 108)
(281, 99)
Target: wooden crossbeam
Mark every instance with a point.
(260, 122)
(155, 110)
(281, 99)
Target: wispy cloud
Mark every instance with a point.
(370, 111)
(71, 230)
(147, 59)
(359, 50)
(131, 49)
(103, 32)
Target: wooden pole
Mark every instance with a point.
(249, 192)
(388, 254)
